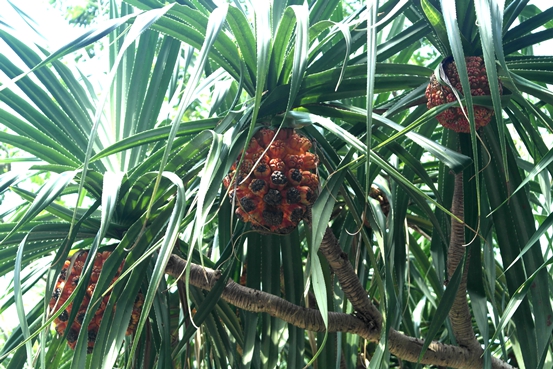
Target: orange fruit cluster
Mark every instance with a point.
(439, 94)
(275, 183)
(65, 285)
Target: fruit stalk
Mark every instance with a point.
(461, 319)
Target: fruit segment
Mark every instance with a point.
(65, 285)
(275, 184)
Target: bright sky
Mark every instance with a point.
(50, 21)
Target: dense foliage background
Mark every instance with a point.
(131, 159)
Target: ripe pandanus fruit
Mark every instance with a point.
(438, 92)
(66, 283)
(276, 182)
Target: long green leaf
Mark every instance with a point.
(489, 38)
(528, 25)
(537, 169)
(320, 292)
(516, 223)
(300, 50)
(193, 31)
(19, 302)
(110, 197)
(214, 26)
(142, 243)
(543, 229)
(245, 39)
(436, 19)
(48, 193)
(154, 135)
(165, 250)
(516, 300)
(442, 312)
(293, 281)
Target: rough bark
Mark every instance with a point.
(461, 320)
(439, 354)
(404, 347)
(262, 302)
(349, 282)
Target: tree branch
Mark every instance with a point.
(402, 346)
(349, 282)
(262, 302)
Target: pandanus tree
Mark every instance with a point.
(263, 184)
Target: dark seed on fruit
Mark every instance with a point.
(296, 175)
(273, 197)
(293, 195)
(63, 316)
(80, 317)
(257, 185)
(278, 178)
(63, 274)
(92, 335)
(297, 215)
(72, 335)
(247, 204)
(262, 168)
(272, 217)
(309, 196)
